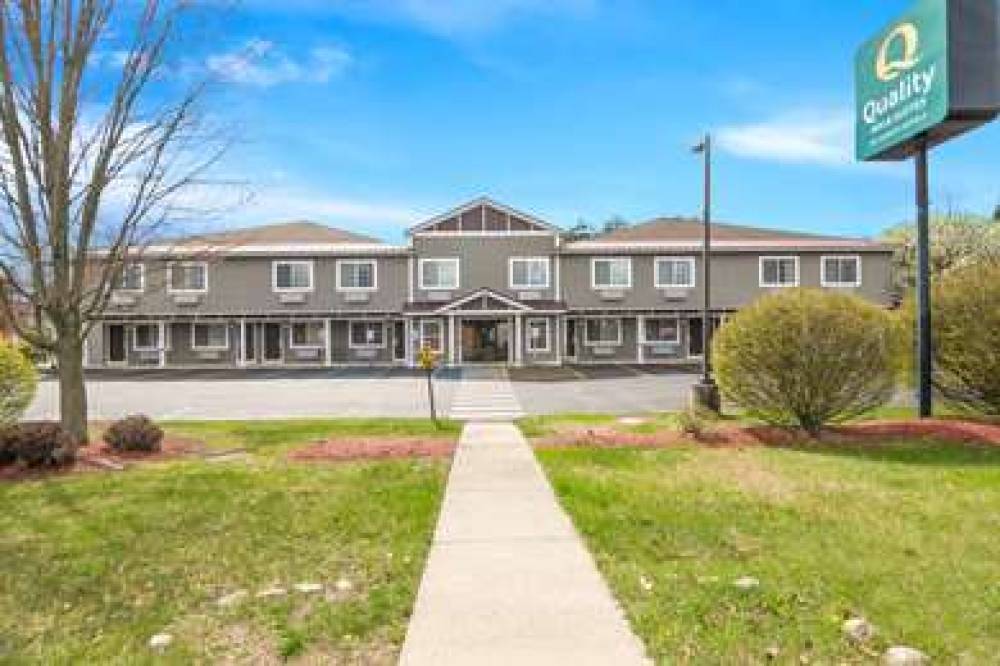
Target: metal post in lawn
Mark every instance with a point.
(705, 394)
(427, 359)
(924, 359)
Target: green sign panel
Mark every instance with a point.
(901, 80)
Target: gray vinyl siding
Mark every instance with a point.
(735, 281)
(484, 261)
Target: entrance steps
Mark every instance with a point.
(485, 394)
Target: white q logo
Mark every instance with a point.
(886, 69)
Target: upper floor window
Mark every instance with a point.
(674, 272)
(131, 277)
(292, 275)
(603, 332)
(439, 273)
(187, 276)
(611, 272)
(367, 334)
(843, 271)
(209, 336)
(529, 273)
(356, 275)
(779, 271)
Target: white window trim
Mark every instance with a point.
(290, 262)
(155, 347)
(548, 336)
(602, 343)
(142, 280)
(196, 347)
(420, 273)
(350, 337)
(779, 285)
(170, 277)
(548, 273)
(822, 270)
(310, 345)
(356, 262)
(423, 337)
(593, 273)
(656, 272)
(677, 331)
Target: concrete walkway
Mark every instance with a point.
(485, 394)
(508, 580)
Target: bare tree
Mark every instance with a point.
(92, 163)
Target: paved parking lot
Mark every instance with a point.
(358, 392)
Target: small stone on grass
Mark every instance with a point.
(902, 655)
(344, 585)
(272, 592)
(232, 599)
(857, 629)
(160, 642)
(746, 582)
(309, 588)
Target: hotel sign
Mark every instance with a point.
(931, 74)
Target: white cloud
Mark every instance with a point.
(805, 137)
(262, 64)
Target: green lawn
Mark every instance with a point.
(905, 534)
(95, 564)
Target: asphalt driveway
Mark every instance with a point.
(358, 392)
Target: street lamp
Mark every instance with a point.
(705, 394)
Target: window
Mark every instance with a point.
(210, 336)
(130, 278)
(439, 273)
(187, 277)
(611, 273)
(293, 275)
(308, 334)
(538, 335)
(674, 272)
(356, 275)
(841, 271)
(146, 337)
(662, 330)
(603, 332)
(779, 271)
(529, 273)
(367, 334)
(430, 336)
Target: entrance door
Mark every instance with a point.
(571, 338)
(250, 343)
(485, 340)
(272, 343)
(116, 343)
(399, 341)
(696, 346)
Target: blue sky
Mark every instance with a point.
(373, 114)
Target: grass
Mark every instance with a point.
(904, 534)
(542, 426)
(95, 564)
(268, 438)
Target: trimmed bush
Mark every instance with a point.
(966, 337)
(18, 382)
(807, 357)
(38, 443)
(134, 433)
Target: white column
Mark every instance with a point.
(409, 283)
(328, 338)
(557, 286)
(451, 339)
(640, 338)
(557, 340)
(161, 338)
(518, 358)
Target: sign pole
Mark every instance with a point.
(924, 359)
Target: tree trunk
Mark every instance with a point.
(72, 390)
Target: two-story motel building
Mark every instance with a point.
(483, 283)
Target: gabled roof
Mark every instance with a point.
(482, 202)
(284, 233)
(491, 300)
(687, 233)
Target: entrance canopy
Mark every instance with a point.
(485, 301)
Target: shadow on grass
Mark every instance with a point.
(922, 451)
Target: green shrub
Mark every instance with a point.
(37, 443)
(134, 433)
(18, 383)
(808, 358)
(965, 309)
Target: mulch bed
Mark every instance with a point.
(99, 457)
(373, 449)
(956, 431)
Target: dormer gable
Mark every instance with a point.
(484, 216)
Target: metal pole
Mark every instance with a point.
(706, 250)
(924, 360)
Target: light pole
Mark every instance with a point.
(705, 394)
